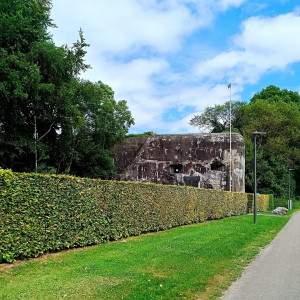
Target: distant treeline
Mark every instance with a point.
(275, 112)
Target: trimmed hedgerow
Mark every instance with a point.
(41, 213)
(271, 202)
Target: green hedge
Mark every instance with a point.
(271, 202)
(280, 202)
(40, 213)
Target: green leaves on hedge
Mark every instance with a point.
(45, 213)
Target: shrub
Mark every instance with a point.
(40, 213)
(280, 202)
(271, 202)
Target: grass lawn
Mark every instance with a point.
(189, 262)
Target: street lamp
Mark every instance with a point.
(255, 202)
(290, 201)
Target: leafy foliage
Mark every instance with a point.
(40, 213)
(276, 112)
(217, 118)
(274, 94)
(271, 202)
(147, 133)
(50, 120)
(281, 122)
(281, 202)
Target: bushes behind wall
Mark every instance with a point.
(40, 213)
(271, 202)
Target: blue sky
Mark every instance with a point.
(169, 59)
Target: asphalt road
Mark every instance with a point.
(275, 273)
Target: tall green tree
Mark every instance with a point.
(276, 112)
(83, 148)
(49, 118)
(23, 24)
(217, 118)
(281, 122)
(273, 94)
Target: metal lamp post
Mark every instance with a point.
(290, 201)
(255, 202)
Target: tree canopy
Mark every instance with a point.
(276, 112)
(217, 118)
(274, 94)
(50, 119)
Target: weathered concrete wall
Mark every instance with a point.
(181, 159)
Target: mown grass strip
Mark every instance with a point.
(189, 262)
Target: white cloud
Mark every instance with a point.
(128, 78)
(122, 27)
(225, 4)
(130, 43)
(264, 45)
(254, 7)
(148, 111)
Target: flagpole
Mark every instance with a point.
(230, 140)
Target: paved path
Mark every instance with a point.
(275, 273)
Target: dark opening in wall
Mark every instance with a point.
(217, 166)
(176, 168)
(208, 186)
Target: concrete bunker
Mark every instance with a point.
(218, 166)
(199, 160)
(176, 168)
